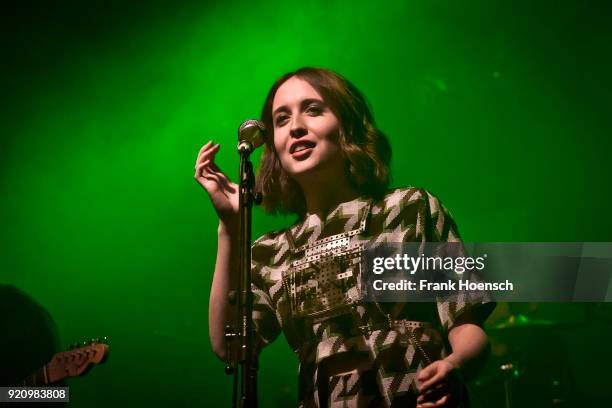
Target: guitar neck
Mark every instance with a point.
(39, 378)
(67, 364)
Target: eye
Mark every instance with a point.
(280, 120)
(314, 110)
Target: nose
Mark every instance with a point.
(297, 127)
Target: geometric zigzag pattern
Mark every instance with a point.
(341, 363)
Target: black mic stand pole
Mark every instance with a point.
(244, 359)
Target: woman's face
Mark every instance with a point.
(305, 133)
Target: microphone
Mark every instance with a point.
(250, 135)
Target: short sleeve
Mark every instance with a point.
(473, 306)
(267, 327)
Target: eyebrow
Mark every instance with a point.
(304, 103)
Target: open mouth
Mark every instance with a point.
(301, 148)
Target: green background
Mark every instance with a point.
(499, 108)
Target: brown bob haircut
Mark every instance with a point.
(366, 149)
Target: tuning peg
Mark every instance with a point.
(105, 340)
(94, 341)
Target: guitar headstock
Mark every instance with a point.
(76, 361)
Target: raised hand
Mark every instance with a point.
(222, 192)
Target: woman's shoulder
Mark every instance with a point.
(409, 200)
(439, 222)
(408, 195)
(270, 239)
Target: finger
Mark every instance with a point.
(214, 167)
(442, 401)
(434, 393)
(426, 373)
(228, 184)
(207, 167)
(208, 152)
(202, 168)
(203, 148)
(215, 178)
(203, 174)
(205, 170)
(212, 183)
(433, 404)
(206, 146)
(430, 383)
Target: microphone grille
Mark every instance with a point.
(251, 131)
(250, 123)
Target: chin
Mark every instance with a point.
(297, 169)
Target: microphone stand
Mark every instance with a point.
(243, 361)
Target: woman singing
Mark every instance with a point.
(327, 163)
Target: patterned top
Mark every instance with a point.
(368, 355)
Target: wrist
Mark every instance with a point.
(454, 361)
(227, 229)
